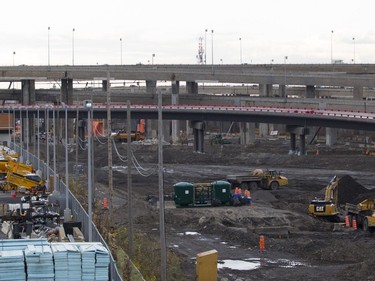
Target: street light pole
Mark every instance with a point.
(331, 46)
(14, 54)
(205, 46)
(240, 50)
(73, 46)
(212, 47)
(88, 105)
(48, 47)
(285, 94)
(121, 50)
(27, 137)
(54, 148)
(38, 134)
(354, 50)
(67, 212)
(47, 145)
(152, 59)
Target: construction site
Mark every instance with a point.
(297, 245)
(309, 217)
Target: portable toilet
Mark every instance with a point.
(221, 192)
(183, 193)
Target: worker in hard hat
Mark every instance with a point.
(248, 198)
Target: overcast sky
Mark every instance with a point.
(269, 29)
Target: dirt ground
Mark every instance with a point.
(297, 246)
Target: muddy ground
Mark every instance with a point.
(297, 246)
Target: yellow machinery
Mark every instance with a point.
(21, 177)
(370, 152)
(327, 207)
(364, 213)
(269, 179)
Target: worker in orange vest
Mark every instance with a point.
(247, 197)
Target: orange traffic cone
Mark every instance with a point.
(261, 243)
(354, 223)
(105, 204)
(347, 224)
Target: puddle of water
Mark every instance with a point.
(238, 264)
(255, 263)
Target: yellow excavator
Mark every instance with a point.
(327, 207)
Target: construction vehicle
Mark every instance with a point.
(364, 213)
(122, 136)
(21, 177)
(268, 179)
(370, 152)
(135, 135)
(218, 139)
(327, 207)
(345, 197)
(202, 194)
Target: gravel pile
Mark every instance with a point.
(350, 191)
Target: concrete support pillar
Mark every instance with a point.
(247, 133)
(105, 85)
(293, 147)
(191, 87)
(28, 97)
(176, 125)
(263, 129)
(331, 136)
(151, 87)
(302, 144)
(67, 90)
(358, 92)
(282, 91)
(175, 87)
(198, 133)
(28, 92)
(265, 90)
(310, 91)
(302, 132)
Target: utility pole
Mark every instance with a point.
(163, 254)
(129, 181)
(109, 138)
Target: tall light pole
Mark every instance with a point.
(212, 47)
(121, 50)
(88, 106)
(67, 212)
(14, 54)
(47, 145)
(49, 28)
(73, 45)
(152, 58)
(285, 94)
(27, 137)
(353, 49)
(331, 46)
(38, 134)
(240, 50)
(205, 46)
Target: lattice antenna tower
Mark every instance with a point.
(200, 56)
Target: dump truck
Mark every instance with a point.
(364, 213)
(268, 179)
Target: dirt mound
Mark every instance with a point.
(350, 191)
